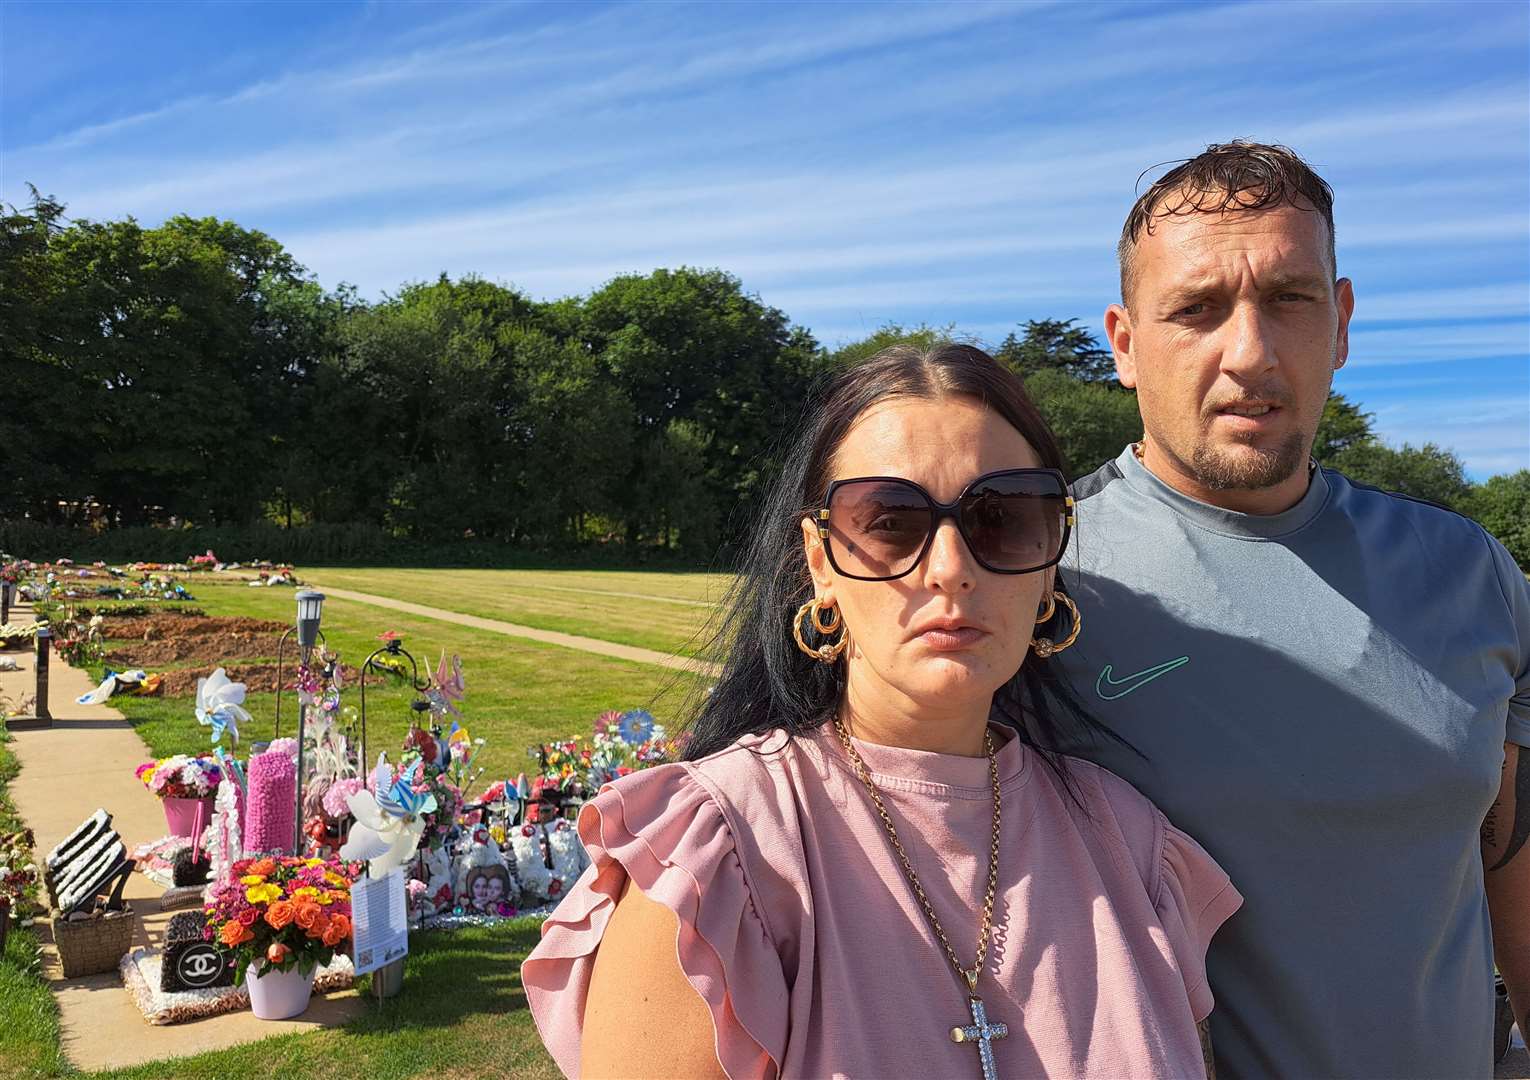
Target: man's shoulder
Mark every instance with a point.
(1432, 522)
(1087, 487)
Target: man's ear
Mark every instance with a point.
(817, 559)
(1344, 296)
(1118, 331)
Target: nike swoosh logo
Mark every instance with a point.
(1122, 687)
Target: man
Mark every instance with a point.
(1328, 686)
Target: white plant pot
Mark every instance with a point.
(279, 995)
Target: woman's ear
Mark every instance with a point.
(817, 560)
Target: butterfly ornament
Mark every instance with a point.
(220, 705)
(389, 820)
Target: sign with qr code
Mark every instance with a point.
(379, 922)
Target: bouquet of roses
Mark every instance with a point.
(181, 777)
(280, 912)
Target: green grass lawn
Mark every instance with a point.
(462, 1012)
(663, 611)
(519, 692)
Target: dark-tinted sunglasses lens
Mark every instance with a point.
(1015, 521)
(877, 528)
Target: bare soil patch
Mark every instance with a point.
(257, 678)
(172, 624)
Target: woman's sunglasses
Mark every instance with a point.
(877, 528)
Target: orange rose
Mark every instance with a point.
(318, 927)
(307, 913)
(264, 868)
(280, 913)
(235, 933)
(277, 952)
(338, 930)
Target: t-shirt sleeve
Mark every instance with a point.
(662, 829)
(1194, 898)
(1516, 590)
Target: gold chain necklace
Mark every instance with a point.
(981, 1032)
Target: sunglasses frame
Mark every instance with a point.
(942, 511)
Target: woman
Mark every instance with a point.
(869, 864)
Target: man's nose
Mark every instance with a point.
(1248, 348)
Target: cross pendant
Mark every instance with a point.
(983, 1033)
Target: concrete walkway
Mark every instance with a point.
(86, 760)
(550, 637)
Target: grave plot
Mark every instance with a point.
(184, 648)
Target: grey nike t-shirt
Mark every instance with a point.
(1321, 698)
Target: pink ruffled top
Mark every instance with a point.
(802, 935)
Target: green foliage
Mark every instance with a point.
(1424, 472)
(1342, 426)
(1093, 421)
(1054, 345)
(190, 386)
(887, 335)
(1502, 505)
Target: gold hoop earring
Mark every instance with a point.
(1048, 611)
(834, 620)
(1045, 647)
(829, 651)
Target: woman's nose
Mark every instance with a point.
(949, 566)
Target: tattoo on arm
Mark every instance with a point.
(1519, 828)
(1204, 1029)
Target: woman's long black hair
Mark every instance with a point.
(766, 681)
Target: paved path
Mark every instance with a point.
(86, 760)
(550, 637)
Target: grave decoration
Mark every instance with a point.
(269, 813)
(191, 960)
(84, 876)
(18, 875)
(137, 682)
(185, 787)
(281, 918)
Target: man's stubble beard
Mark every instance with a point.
(1253, 470)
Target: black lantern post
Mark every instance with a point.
(310, 606)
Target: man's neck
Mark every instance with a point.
(1261, 501)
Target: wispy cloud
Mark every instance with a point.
(852, 163)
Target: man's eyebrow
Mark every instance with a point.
(1314, 282)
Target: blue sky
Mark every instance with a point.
(965, 163)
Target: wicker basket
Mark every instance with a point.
(95, 945)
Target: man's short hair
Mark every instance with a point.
(1239, 175)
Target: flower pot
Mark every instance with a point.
(278, 995)
(188, 817)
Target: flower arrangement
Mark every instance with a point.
(79, 644)
(276, 913)
(181, 777)
(18, 873)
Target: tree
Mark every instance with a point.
(1424, 472)
(1050, 344)
(886, 336)
(1502, 506)
(1342, 425)
(691, 346)
(1091, 421)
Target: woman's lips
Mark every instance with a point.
(943, 639)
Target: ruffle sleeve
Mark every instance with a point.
(663, 830)
(1195, 897)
